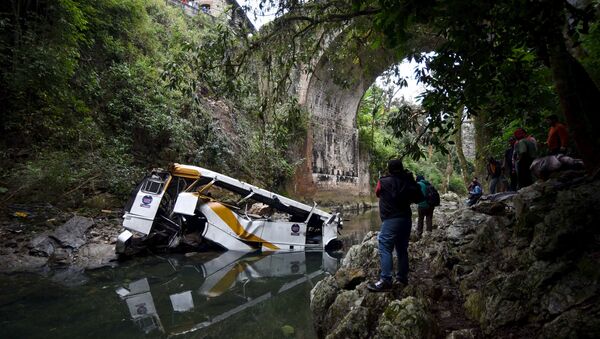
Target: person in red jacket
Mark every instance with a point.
(558, 137)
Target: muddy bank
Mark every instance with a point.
(524, 265)
(42, 238)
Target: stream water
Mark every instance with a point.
(205, 295)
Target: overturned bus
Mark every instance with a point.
(175, 208)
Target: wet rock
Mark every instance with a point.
(321, 297)
(522, 264)
(61, 257)
(349, 278)
(576, 323)
(353, 325)
(72, 233)
(490, 207)
(406, 318)
(41, 246)
(344, 301)
(93, 256)
(21, 263)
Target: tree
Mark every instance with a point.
(490, 56)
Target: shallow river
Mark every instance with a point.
(208, 295)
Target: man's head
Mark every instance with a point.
(420, 178)
(474, 179)
(395, 166)
(551, 120)
(511, 140)
(490, 159)
(520, 133)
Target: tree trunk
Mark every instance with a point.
(448, 174)
(458, 141)
(483, 135)
(580, 101)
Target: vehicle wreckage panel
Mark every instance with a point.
(188, 202)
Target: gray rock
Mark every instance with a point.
(321, 297)
(21, 263)
(41, 246)
(72, 233)
(407, 318)
(353, 325)
(91, 256)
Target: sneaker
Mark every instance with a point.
(400, 282)
(380, 286)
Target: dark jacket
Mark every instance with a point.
(396, 193)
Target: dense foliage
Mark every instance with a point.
(94, 93)
(378, 135)
(510, 62)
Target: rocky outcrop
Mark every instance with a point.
(523, 265)
(79, 243)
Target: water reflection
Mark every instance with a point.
(212, 291)
(208, 295)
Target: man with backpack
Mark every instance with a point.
(426, 207)
(525, 152)
(395, 192)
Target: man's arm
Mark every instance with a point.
(378, 188)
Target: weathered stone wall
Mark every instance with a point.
(468, 133)
(332, 94)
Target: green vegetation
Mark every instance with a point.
(379, 136)
(505, 63)
(95, 93)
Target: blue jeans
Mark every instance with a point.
(394, 233)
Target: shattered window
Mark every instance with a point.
(153, 185)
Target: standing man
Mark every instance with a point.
(508, 165)
(493, 171)
(425, 210)
(558, 137)
(524, 153)
(395, 192)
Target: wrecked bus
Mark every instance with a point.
(175, 209)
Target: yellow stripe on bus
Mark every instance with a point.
(229, 218)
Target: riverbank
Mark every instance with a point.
(41, 238)
(524, 265)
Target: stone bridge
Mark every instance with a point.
(334, 168)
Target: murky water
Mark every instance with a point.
(207, 295)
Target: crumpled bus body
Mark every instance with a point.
(169, 207)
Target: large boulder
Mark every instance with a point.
(405, 319)
(72, 233)
(519, 264)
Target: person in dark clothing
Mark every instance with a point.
(424, 209)
(524, 153)
(494, 172)
(395, 192)
(508, 166)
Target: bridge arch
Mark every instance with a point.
(332, 92)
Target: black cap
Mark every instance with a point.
(395, 166)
